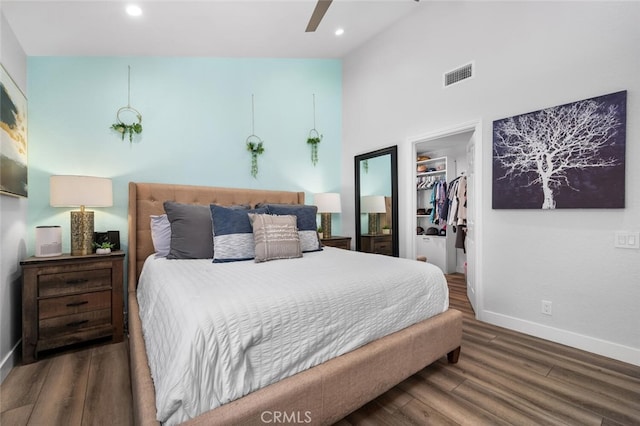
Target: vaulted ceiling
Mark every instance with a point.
(236, 28)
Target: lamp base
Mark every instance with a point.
(81, 233)
(325, 222)
(374, 224)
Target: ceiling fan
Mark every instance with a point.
(317, 15)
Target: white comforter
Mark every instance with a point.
(217, 331)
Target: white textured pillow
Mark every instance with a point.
(275, 237)
(161, 234)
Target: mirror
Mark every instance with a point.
(376, 189)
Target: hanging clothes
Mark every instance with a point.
(452, 198)
(462, 201)
(457, 199)
(439, 203)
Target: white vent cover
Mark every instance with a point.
(462, 73)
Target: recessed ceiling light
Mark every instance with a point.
(339, 31)
(133, 10)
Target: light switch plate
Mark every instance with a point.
(627, 239)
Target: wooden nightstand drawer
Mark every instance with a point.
(379, 244)
(67, 324)
(382, 247)
(67, 305)
(73, 282)
(339, 242)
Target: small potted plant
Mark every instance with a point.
(386, 230)
(320, 232)
(103, 248)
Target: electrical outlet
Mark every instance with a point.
(546, 307)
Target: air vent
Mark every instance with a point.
(462, 73)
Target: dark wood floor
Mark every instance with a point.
(502, 378)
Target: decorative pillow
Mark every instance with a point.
(306, 222)
(275, 237)
(191, 233)
(161, 234)
(232, 233)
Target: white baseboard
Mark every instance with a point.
(587, 343)
(9, 361)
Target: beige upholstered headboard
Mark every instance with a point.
(146, 199)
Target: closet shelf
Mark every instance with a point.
(437, 172)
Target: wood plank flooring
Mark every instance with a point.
(503, 378)
(79, 387)
(508, 378)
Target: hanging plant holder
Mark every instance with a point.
(124, 125)
(255, 145)
(313, 140)
(123, 128)
(314, 137)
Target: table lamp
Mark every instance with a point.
(374, 205)
(80, 191)
(328, 202)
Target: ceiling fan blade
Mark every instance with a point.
(318, 14)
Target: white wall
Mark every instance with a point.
(13, 219)
(528, 55)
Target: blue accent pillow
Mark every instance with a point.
(306, 218)
(232, 233)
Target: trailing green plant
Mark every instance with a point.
(255, 148)
(123, 129)
(314, 141)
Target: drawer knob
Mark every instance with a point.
(77, 323)
(77, 281)
(84, 302)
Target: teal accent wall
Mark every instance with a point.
(196, 119)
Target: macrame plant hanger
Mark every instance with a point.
(255, 145)
(314, 137)
(121, 126)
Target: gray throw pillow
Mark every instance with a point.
(191, 231)
(161, 234)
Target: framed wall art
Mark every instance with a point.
(566, 156)
(13, 137)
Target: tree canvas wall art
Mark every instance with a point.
(566, 156)
(13, 137)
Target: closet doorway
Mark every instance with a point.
(445, 202)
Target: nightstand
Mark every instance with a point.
(70, 299)
(336, 241)
(380, 244)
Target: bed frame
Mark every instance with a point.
(320, 395)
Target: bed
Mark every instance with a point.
(321, 394)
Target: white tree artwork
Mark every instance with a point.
(567, 156)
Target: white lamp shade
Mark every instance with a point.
(328, 202)
(373, 204)
(75, 191)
